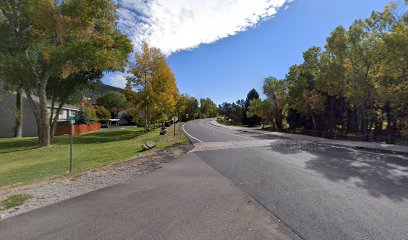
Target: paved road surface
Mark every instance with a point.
(236, 185)
(319, 191)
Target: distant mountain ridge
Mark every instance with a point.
(98, 90)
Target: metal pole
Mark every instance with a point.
(70, 150)
(174, 123)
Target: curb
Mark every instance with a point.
(378, 150)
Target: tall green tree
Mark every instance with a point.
(364, 57)
(263, 109)
(113, 101)
(393, 78)
(358, 81)
(331, 80)
(42, 41)
(208, 108)
(233, 111)
(187, 107)
(302, 94)
(252, 120)
(276, 91)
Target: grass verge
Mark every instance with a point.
(13, 201)
(21, 162)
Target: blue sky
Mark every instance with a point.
(226, 61)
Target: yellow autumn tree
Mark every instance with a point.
(154, 79)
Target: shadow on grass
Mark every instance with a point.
(16, 145)
(104, 136)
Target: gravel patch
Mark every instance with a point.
(49, 192)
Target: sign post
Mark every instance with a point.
(174, 123)
(72, 121)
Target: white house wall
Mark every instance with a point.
(7, 113)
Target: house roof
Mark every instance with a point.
(36, 99)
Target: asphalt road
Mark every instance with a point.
(239, 185)
(318, 191)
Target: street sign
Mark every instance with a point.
(72, 119)
(174, 119)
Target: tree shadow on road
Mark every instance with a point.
(260, 136)
(381, 175)
(289, 146)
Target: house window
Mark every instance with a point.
(63, 114)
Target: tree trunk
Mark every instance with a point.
(369, 130)
(147, 119)
(378, 128)
(355, 120)
(145, 127)
(147, 122)
(18, 128)
(54, 120)
(273, 125)
(363, 121)
(279, 124)
(349, 119)
(390, 125)
(331, 110)
(322, 124)
(314, 123)
(43, 126)
(40, 114)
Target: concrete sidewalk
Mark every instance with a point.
(380, 147)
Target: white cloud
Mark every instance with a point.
(174, 25)
(117, 80)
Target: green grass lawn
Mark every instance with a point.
(21, 162)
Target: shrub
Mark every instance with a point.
(102, 112)
(133, 115)
(82, 117)
(90, 111)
